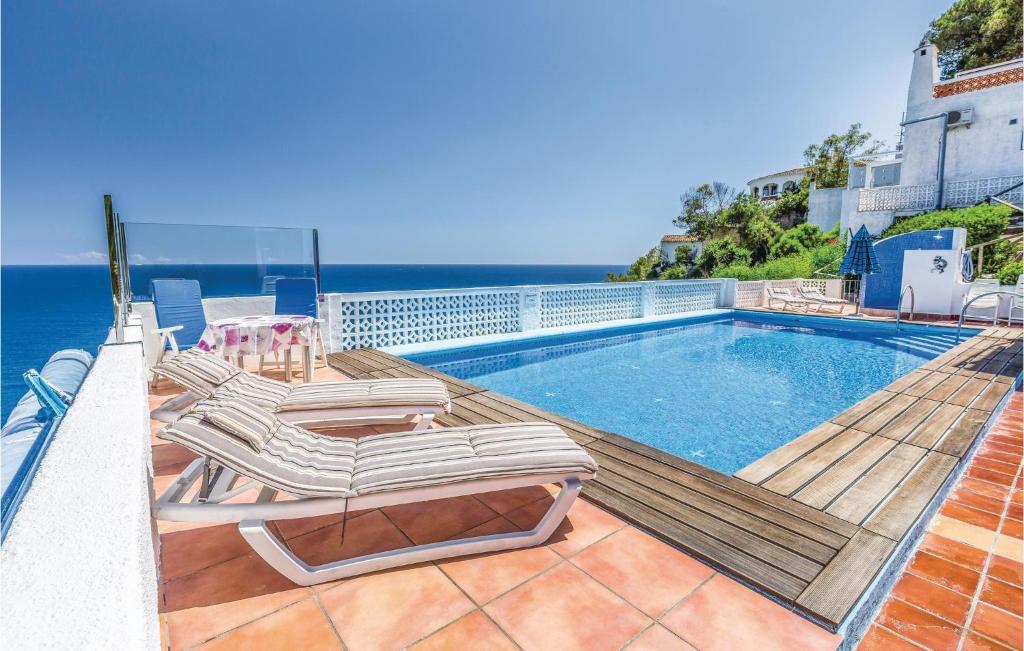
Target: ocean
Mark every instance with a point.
(46, 308)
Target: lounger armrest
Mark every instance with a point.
(168, 330)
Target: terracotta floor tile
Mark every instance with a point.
(723, 614)
(171, 459)
(949, 605)
(294, 528)
(1007, 570)
(1015, 511)
(484, 577)
(646, 572)
(1006, 456)
(986, 488)
(998, 625)
(969, 534)
(952, 550)
(576, 613)
(658, 638)
(1012, 528)
(882, 639)
(300, 626)
(225, 596)
(427, 522)
(392, 609)
(917, 625)
(978, 501)
(975, 642)
(958, 511)
(584, 525)
(944, 573)
(474, 631)
(1009, 547)
(367, 534)
(1005, 596)
(984, 474)
(512, 499)
(189, 550)
(993, 464)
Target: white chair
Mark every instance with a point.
(979, 287)
(1017, 303)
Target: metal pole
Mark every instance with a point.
(316, 258)
(942, 150)
(113, 261)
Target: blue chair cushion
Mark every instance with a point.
(179, 302)
(296, 296)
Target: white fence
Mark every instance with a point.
(958, 194)
(751, 293)
(385, 319)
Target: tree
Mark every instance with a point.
(701, 206)
(645, 267)
(830, 161)
(720, 253)
(975, 33)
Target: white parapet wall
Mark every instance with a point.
(751, 293)
(399, 319)
(79, 562)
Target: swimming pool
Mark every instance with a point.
(722, 390)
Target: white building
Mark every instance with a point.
(977, 113)
(669, 244)
(770, 187)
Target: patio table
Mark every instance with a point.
(261, 335)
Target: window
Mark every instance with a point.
(789, 186)
(770, 190)
(756, 191)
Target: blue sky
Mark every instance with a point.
(412, 132)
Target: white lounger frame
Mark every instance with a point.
(251, 518)
(176, 407)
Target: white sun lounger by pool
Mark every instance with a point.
(787, 299)
(326, 404)
(816, 297)
(327, 475)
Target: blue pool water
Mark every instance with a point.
(721, 391)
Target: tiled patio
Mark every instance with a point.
(962, 589)
(599, 583)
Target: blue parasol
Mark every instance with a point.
(860, 259)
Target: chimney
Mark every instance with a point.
(923, 76)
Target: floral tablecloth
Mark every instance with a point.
(257, 335)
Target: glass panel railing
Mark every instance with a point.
(226, 260)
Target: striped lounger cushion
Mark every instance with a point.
(303, 463)
(197, 371)
(367, 393)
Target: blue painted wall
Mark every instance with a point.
(882, 291)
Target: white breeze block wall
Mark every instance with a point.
(79, 563)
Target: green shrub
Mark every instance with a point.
(721, 252)
(1009, 273)
(794, 266)
(983, 223)
(675, 272)
(644, 268)
(737, 271)
(827, 255)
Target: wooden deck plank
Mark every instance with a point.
(881, 416)
(779, 458)
(946, 388)
(863, 408)
(932, 428)
(968, 392)
(901, 426)
(794, 477)
(825, 541)
(833, 593)
(831, 483)
(990, 397)
(908, 380)
(961, 435)
(928, 384)
(780, 547)
(750, 568)
(905, 504)
(871, 489)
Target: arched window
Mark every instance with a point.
(756, 191)
(789, 186)
(770, 190)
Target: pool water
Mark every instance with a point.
(721, 391)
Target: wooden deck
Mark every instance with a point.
(814, 521)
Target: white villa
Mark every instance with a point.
(669, 244)
(770, 187)
(962, 143)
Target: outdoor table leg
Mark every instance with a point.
(288, 364)
(307, 363)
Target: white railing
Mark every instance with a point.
(751, 293)
(387, 319)
(958, 194)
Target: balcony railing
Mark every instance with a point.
(958, 194)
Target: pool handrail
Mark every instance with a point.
(963, 310)
(899, 305)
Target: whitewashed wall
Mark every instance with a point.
(79, 563)
(825, 207)
(751, 293)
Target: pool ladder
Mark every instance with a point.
(899, 306)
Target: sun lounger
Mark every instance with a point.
(816, 297)
(329, 475)
(786, 298)
(347, 402)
